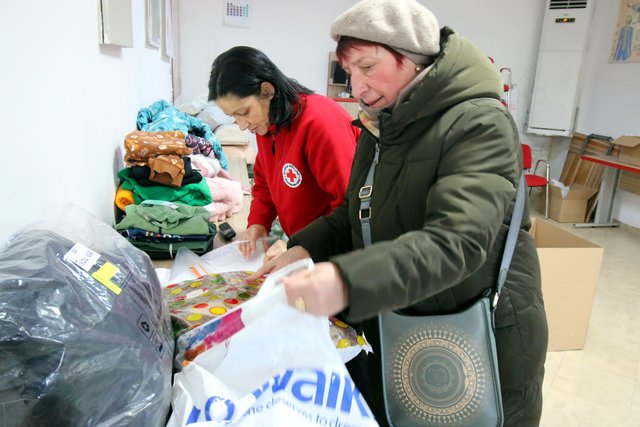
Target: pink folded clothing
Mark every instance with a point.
(227, 198)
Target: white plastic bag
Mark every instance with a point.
(265, 364)
(193, 299)
(564, 189)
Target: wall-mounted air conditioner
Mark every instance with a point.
(554, 98)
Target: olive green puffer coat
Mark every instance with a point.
(443, 194)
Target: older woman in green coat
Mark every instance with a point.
(442, 197)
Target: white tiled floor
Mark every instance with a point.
(600, 385)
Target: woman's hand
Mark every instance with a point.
(275, 250)
(319, 291)
(294, 254)
(251, 235)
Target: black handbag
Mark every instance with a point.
(443, 369)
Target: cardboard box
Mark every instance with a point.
(629, 149)
(570, 266)
(572, 208)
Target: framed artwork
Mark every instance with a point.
(153, 23)
(626, 39)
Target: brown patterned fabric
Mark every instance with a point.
(141, 146)
(167, 170)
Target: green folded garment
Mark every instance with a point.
(196, 194)
(169, 218)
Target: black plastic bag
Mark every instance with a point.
(85, 338)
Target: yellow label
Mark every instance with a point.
(104, 275)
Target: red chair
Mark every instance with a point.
(534, 180)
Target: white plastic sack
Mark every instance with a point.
(264, 364)
(564, 189)
(189, 277)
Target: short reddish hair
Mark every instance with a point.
(345, 43)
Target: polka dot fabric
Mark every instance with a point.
(194, 302)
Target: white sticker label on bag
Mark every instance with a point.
(82, 256)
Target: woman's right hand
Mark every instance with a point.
(278, 248)
(294, 254)
(251, 236)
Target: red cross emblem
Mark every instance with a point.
(291, 176)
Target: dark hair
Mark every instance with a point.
(241, 70)
(345, 43)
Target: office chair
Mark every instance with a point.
(534, 180)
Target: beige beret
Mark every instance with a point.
(404, 25)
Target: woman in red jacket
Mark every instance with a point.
(305, 142)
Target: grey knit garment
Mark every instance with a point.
(404, 25)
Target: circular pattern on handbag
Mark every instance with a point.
(438, 376)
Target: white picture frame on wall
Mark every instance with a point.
(153, 23)
(167, 19)
(115, 25)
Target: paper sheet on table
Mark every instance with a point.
(229, 258)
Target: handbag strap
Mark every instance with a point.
(512, 237)
(364, 213)
(365, 199)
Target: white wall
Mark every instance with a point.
(295, 35)
(66, 105)
(609, 102)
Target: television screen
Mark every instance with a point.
(338, 76)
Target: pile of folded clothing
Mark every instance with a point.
(161, 228)
(162, 196)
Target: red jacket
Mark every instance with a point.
(308, 175)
